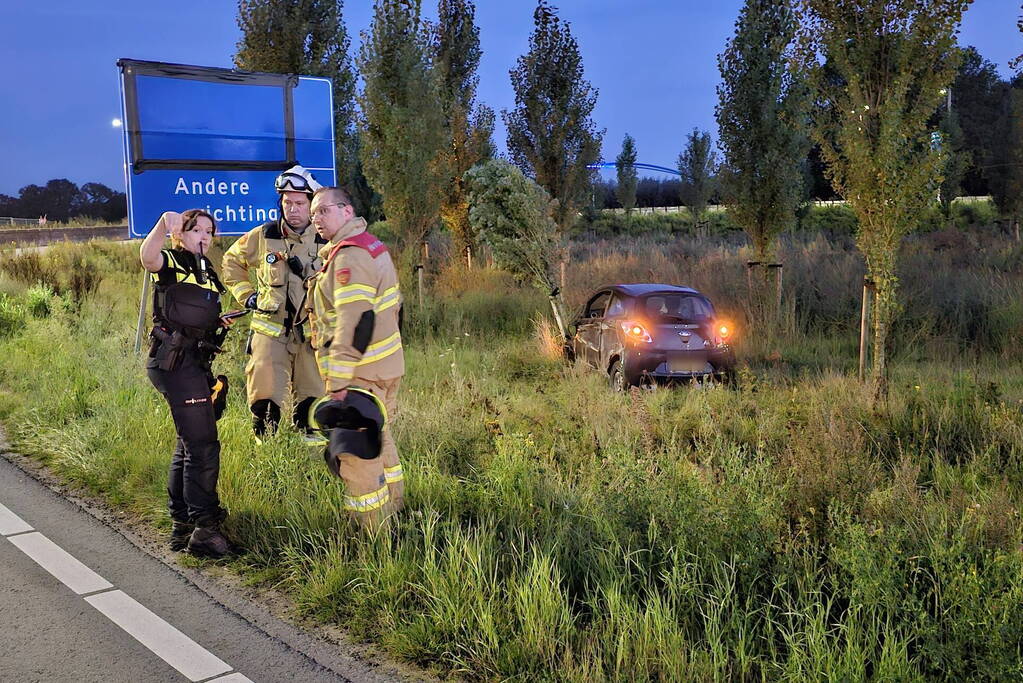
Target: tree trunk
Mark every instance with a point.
(557, 307)
(885, 307)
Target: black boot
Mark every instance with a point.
(207, 541)
(300, 416)
(181, 532)
(265, 416)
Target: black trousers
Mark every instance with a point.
(195, 465)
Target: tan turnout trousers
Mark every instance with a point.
(387, 391)
(277, 362)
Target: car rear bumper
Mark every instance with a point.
(654, 366)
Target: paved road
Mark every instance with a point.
(82, 603)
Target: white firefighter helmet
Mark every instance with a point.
(296, 179)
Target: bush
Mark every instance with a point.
(975, 214)
(39, 299)
(836, 219)
(12, 316)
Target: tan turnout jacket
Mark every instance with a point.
(275, 283)
(357, 275)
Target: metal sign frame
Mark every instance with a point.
(152, 177)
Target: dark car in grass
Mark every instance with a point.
(648, 334)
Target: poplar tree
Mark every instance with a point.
(697, 164)
(761, 115)
(877, 68)
(402, 127)
(470, 126)
(1006, 172)
(627, 176)
(957, 161)
(551, 136)
(306, 37)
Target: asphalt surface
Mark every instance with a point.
(95, 606)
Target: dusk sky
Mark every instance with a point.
(653, 61)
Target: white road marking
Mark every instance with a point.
(60, 563)
(168, 643)
(10, 523)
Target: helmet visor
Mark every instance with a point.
(292, 182)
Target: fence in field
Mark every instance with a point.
(8, 221)
(716, 207)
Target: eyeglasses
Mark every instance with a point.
(292, 182)
(320, 210)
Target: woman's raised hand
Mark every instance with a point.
(172, 221)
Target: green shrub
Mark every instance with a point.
(980, 214)
(836, 219)
(39, 300)
(12, 316)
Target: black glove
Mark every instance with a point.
(296, 266)
(250, 303)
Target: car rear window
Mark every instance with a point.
(681, 307)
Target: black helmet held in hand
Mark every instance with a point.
(353, 425)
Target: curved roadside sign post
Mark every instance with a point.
(214, 139)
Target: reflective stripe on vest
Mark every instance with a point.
(183, 274)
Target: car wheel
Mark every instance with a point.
(617, 377)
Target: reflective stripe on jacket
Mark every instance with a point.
(358, 276)
(275, 283)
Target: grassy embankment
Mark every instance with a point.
(556, 531)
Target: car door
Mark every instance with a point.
(610, 342)
(588, 328)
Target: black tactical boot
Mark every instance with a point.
(207, 541)
(181, 532)
(265, 416)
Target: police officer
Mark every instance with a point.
(279, 256)
(353, 306)
(187, 331)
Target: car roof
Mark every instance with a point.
(642, 288)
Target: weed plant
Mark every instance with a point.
(554, 530)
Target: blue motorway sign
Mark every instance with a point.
(215, 139)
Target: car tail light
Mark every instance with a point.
(723, 332)
(635, 332)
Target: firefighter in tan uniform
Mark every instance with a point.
(266, 270)
(354, 304)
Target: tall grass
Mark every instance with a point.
(557, 531)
